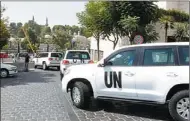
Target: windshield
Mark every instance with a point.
(56, 55)
(78, 55)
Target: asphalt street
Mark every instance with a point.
(37, 96)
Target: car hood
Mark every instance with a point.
(3, 65)
(83, 67)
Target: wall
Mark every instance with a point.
(180, 5)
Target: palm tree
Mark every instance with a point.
(167, 21)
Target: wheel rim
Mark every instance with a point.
(76, 95)
(4, 73)
(182, 108)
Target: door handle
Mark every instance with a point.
(129, 74)
(171, 74)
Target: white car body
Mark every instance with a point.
(71, 62)
(10, 68)
(136, 83)
(45, 57)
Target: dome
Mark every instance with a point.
(12, 39)
(47, 36)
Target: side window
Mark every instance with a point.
(183, 55)
(125, 58)
(158, 57)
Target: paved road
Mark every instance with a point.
(37, 96)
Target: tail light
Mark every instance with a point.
(65, 62)
(50, 59)
(91, 61)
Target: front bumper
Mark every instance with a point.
(13, 72)
(53, 64)
(64, 82)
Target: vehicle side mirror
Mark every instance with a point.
(105, 64)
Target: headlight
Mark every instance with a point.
(67, 71)
(13, 68)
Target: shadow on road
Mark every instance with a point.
(24, 78)
(133, 110)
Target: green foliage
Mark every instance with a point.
(182, 31)
(61, 39)
(178, 16)
(32, 35)
(130, 25)
(145, 10)
(4, 33)
(5, 47)
(58, 27)
(26, 46)
(93, 19)
(34, 26)
(150, 34)
(85, 32)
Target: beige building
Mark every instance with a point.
(180, 5)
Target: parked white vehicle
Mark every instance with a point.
(147, 73)
(48, 59)
(7, 70)
(74, 57)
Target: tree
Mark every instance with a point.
(92, 17)
(85, 32)
(4, 33)
(110, 25)
(145, 10)
(130, 25)
(62, 39)
(58, 27)
(182, 31)
(167, 22)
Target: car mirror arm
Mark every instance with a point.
(101, 65)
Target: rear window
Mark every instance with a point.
(43, 55)
(56, 55)
(183, 55)
(78, 55)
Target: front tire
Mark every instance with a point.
(179, 106)
(44, 66)
(80, 95)
(35, 66)
(4, 73)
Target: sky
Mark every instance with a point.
(58, 13)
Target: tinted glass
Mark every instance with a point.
(125, 58)
(183, 55)
(78, 55)
(43, 55)
(163, 56)
(57, 55)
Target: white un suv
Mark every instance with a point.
(146, 73)
(48, 59)
(74, 57)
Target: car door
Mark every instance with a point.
(117, 77)
(157, 71)
(183, 68)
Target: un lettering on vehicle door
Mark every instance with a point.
(113, 79)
